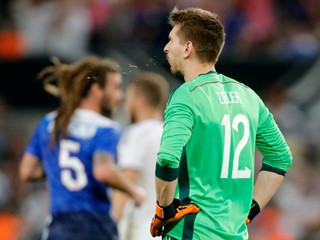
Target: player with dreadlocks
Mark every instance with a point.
(74, 149)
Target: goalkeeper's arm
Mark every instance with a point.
(265, 187)
(165, 191)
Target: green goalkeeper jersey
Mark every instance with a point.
(212, 126)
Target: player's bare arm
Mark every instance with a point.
(265, 187)
(31, 168)
(106, 171)
(119, 198)
(165, 191)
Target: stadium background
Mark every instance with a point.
(272, 46)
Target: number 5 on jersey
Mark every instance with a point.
(226, 122)
(70, 163)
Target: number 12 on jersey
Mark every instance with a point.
(229, 128)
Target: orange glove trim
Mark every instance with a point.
(158, 223)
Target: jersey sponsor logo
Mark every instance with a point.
(228, 97)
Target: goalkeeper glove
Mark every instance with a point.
(171, 213)
(254, 211)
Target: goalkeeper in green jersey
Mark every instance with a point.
(213, 124)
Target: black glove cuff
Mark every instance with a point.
(170, 210)
(254, 210)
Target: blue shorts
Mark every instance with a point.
(81, 226)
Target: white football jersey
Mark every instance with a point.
(138, 150)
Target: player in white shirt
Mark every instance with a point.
(146, 96)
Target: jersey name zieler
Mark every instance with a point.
(228, 97)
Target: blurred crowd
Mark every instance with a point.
(69, 29)
(294, 213)
(23, 208)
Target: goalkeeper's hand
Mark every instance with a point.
(174, 212)
(254, 211)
